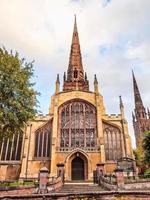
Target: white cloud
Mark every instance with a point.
(42, 30)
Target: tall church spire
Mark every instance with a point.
(137, 96)
(141, 122)
(75, 73)
(139, 108)
(75, 68)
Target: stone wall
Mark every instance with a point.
(10, 171)
(104, 195)
(137, 186)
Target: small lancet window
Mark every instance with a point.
(75, 73)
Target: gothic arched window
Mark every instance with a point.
(113, 142)
(42, 141)
(77, 126)
(10, 149)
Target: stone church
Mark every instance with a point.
(77, 131)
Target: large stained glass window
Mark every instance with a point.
(77, 122)
(42, 141)
(113, 142)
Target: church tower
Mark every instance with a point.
(141, 119)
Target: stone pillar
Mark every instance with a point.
(99, 172)
(100, 111)
(54, 136)
(120, 178)
(43, 180)
(61, 170)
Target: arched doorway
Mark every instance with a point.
(78, 167)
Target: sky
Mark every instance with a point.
(114, 38)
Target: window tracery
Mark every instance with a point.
(10, 149)
(113, 142)
(77, 125)
(42, 141)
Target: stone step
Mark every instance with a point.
(78, 188)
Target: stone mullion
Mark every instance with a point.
(112, 147)
(106, 152)
(38, 143)
(17, 147)
(120, 140)
(109, 145)
(43, 133)
(1, 149)
(78, 123)
(75, 131)
(22, 140)
(12, 147)
(112, 152)
(95, 128)
(116, 144)
(47, 143)
(6, 151)
(59, 128)
(84, 113)
(69, 125)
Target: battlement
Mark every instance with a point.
(111, 116)
(42, 117)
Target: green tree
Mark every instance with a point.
(138, 157)
(146, 147)
(17, 97)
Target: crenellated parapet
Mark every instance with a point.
(42, 117)
(112, 117)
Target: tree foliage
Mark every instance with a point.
(146, 147)
(17, 97)
(138, 157)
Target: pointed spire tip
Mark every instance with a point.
(57, 80)
(95, 78)
(121, 102)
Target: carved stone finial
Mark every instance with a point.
(96, 85)
(57, 80)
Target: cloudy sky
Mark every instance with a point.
(114, 37)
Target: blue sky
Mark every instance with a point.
(114, 37)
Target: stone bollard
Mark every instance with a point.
(43, 180)
(61, 171)
(120, 178)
